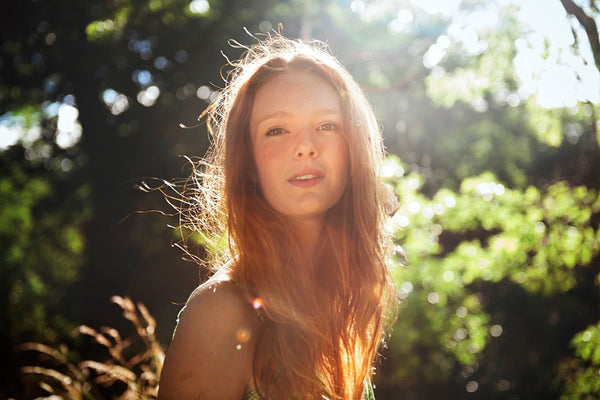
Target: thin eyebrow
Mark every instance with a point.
(284, 114)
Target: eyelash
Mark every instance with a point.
(275, 131)
(331, 126)
(327, 126)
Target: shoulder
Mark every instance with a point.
(222, 304)
(214, 298)
(213, 347)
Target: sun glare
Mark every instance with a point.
(548, 68)
(555, 75)
(444, 7)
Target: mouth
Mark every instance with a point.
(306, 179)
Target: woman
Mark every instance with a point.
(301, 296)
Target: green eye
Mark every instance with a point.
(275, 131)
(329, 126)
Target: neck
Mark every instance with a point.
(309, 233)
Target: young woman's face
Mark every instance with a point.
(298, 143)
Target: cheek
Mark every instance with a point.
(266, 162)
(343, 159)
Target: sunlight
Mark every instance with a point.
(13, 129)
(445, 7)
(545, 63)
(68, 130)
(556, 75)
(199, 6)
(436, 51)
(148, 97)
(10, 135)
(116, 102)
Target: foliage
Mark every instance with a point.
(39, 246)
(485, 232)
(499, 191)
(579, 375)
(133, 369)
(527, 230)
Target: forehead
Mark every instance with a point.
(294, 89)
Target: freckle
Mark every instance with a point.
(242, 335)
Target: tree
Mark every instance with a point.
(99, 88)
(502, 265)
(499, 190)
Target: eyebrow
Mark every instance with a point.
(284, 114)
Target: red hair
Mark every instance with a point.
(322, 325)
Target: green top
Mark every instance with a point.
(251, 396)
(368, 394)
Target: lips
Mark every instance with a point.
(306, 178)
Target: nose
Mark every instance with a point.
(305, 145)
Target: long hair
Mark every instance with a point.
(322, 322)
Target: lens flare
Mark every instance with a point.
(257, 303)
(242, 335)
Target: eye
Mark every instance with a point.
(275, 132)
(328, 126)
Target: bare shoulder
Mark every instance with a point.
(219, 299)
(213, 347)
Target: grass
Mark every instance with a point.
(131, 369)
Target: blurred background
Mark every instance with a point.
(490, 113)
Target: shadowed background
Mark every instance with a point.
(489, 111)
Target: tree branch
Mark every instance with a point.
(588, 24)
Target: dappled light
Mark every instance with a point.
(490, 115)
(148, 96)
(68, 128)
(199, 6)
(116, 102)
(545, 72)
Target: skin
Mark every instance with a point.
(301, 158)
(211, 354)
(296, 127)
